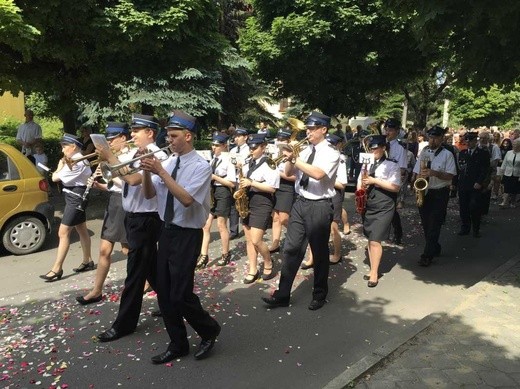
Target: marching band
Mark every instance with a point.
(163, 202)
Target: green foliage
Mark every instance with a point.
(330, 54)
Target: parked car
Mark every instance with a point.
(26, 216)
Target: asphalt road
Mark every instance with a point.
(47, 338)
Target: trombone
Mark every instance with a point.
(72, 162)
(295, 148)
(110, 172)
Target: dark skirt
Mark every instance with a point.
(71, 215)
(378, 216)
(284, 196)
(222, 201)
(113, 228)
(511, 184)
(260, 208)
(337, 203)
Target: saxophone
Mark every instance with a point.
(420, 185)
(241, 198)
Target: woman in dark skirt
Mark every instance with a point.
(261, 182)
(382, 184)
(284, 197)
(113, 228)
(74, 180)
(222, 182)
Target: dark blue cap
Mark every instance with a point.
(71, 139)
(376, 141)
(256, 139)
(470, 135)
(333, 139)
(241, 131)
(115, 129)
(220, 139)
(317, 119)
(391, 123)
(436, 131)
(182, 120)
(140, 121)
(283, 133)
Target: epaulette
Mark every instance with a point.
(392, 160)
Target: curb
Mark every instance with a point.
(359, 368)
(376, 357)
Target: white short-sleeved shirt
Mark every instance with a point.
(28, 132)
(443, 162)
(388, 170)
(224, 169)
(135, 201)
(78, 175)
(263, 174)
(326, 159)
(398, 154)
(194, 175)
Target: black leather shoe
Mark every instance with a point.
(398, 240)
(52, 276)
(275, 302)
(372, 284)
(316, 304)
(83, 301)
(202, 262)
(304, 266)
(233, 236)
(84, 267)
(110, 335)
(276, 250)
(205, 346)
(167, 356)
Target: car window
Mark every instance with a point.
(8, 170)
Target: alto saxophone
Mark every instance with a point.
(420, 185)
(241, 198)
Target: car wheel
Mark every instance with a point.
(24, 235)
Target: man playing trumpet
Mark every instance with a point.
(438, 167)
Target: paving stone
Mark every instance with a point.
(496, 378)
(516, 377)
(463, 375)
(432, 377)
(507, 365)
(380, 384)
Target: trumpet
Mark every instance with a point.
(295, 148)
(71, 162)
(110, 172)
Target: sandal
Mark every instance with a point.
(251, 280)
(271, 275)
(202, 262)
(224, 260)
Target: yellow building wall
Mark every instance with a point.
(12, 107)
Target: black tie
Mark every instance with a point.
(238, 149)
(125, 190)
(168, 211)
(214, 165)
(251, 168)
(305, 178)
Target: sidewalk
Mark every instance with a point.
(475, 345)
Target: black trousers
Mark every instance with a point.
(486, 201)
(470, 209)
(177, 257)
(142, 231)
(233, 219)
(309, 223)
(432, 216)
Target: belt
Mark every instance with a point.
(328, 200)
(74, 187)
(141, 214)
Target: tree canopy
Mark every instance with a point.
(330, 54)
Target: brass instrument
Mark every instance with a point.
(420, 185)
(296, 124)
(241, 198)
(110, 172)
(362, 193)
(295, 148)
(71, 162)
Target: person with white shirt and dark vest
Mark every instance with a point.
(74, 179)
(311, 216)
(473, 174)
(142, 224)
(437, 165)
(283, 197)
(382, 183)
(113, 228)
(260, 182)
(181, 185)
(222, 183)
(397, 153)
(239, 153)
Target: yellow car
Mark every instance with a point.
(26, 216)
